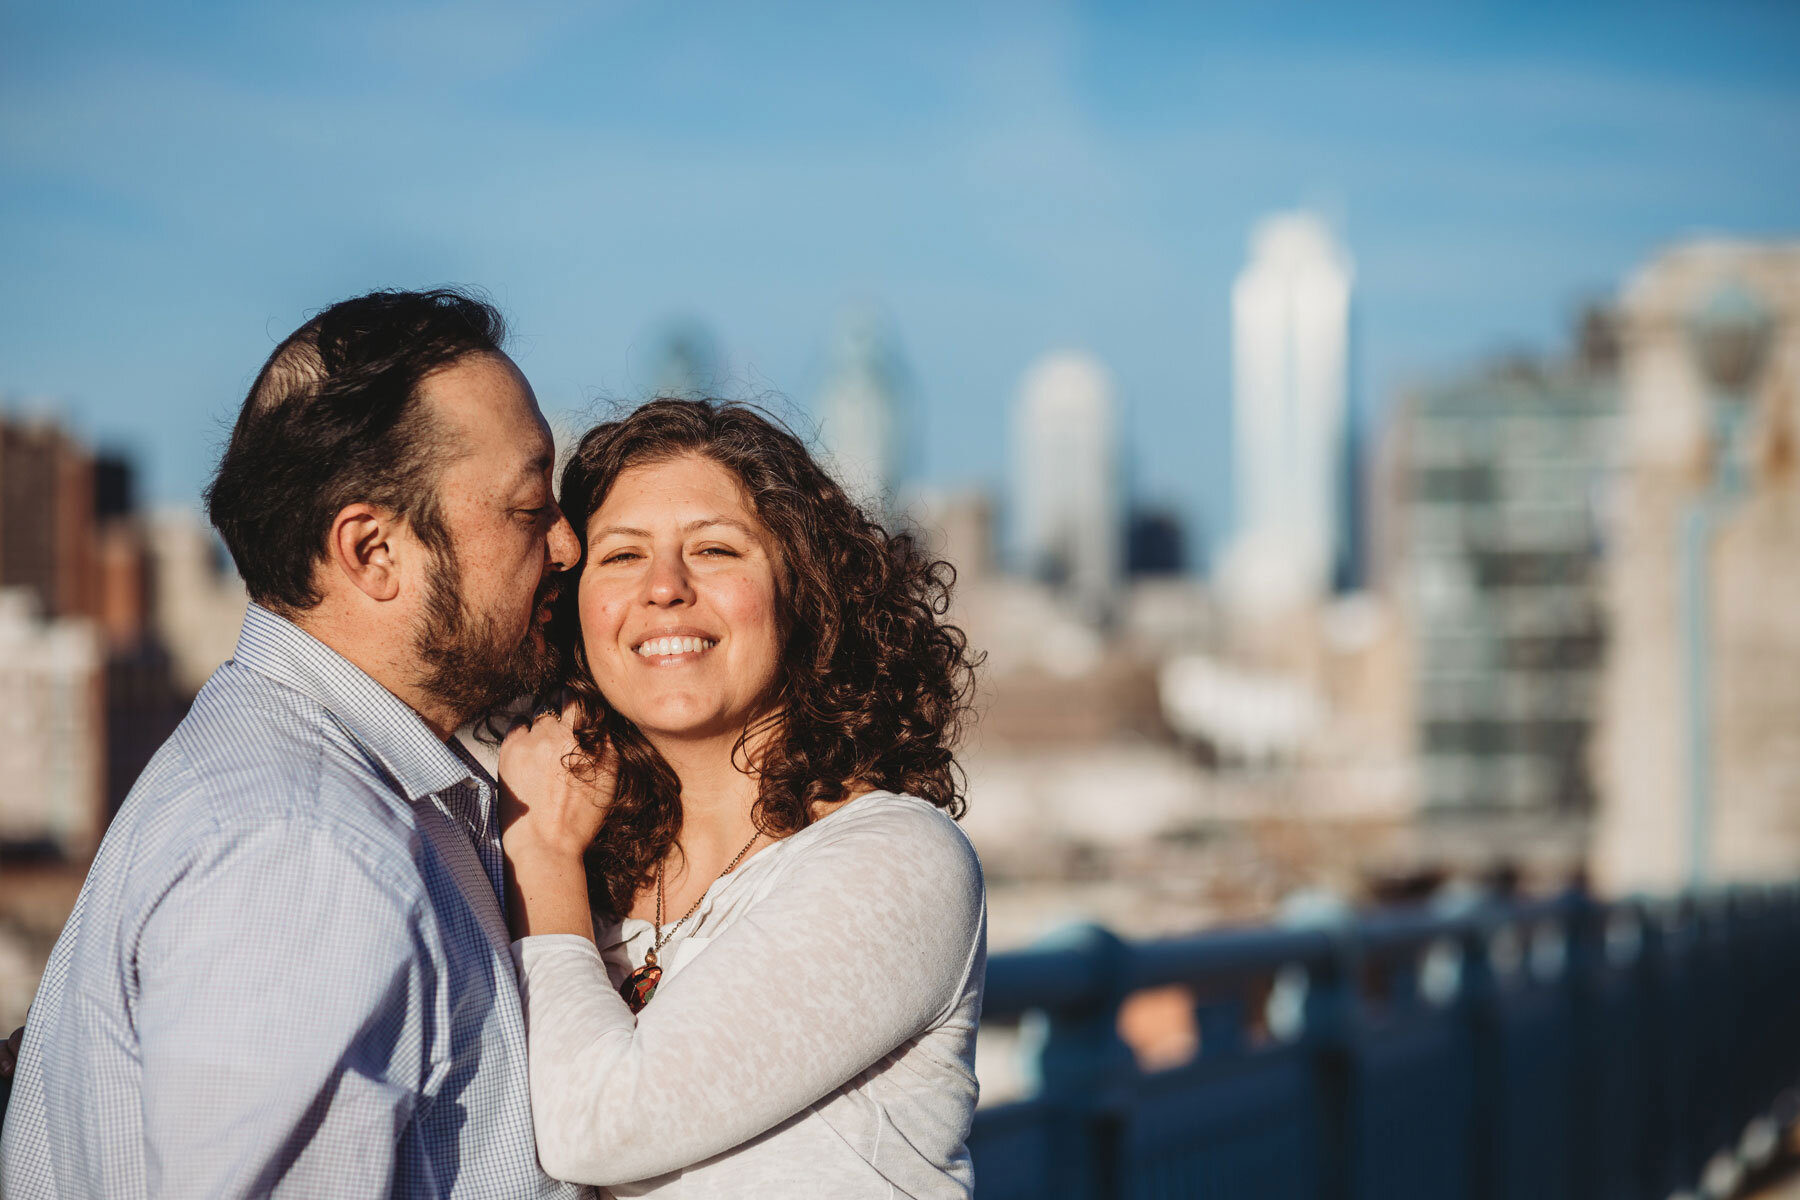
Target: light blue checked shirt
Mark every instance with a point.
(288, 972)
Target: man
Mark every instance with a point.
(288, 971)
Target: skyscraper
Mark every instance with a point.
(1496, 536)
(1290, 310)
(687, 362)
(1065, 479)
(1699, 757)
(47, 517)
(861, 411)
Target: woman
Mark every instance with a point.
(751, 938)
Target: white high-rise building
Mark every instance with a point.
(1066, 479)
(197, 601)
(52, 726)
(860, 410)
(1290, 312)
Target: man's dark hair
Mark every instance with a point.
(333, 419)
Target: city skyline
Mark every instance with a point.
(1002, 182)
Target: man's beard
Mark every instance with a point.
(468, 666)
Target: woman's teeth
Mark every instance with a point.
(656, 647)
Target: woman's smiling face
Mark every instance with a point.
(678, 600)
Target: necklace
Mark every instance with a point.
(640, 985)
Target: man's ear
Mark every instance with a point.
(364, 546)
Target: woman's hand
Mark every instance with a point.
(549, 816)
(541, 800)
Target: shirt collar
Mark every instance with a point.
(397, 737)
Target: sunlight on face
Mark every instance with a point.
(495, 493)
(678, 601)
(480, 620)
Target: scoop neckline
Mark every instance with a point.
(760, 855)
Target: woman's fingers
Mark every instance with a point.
(551, 809)
(542, 799)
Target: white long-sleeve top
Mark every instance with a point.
(813, 1034)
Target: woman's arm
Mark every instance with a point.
(544, 837)
(863, 944)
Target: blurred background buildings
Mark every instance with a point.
(110, 620)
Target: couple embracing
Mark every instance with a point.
(705, 930)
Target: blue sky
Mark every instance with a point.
(180, 185)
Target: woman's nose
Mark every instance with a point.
(668, 582)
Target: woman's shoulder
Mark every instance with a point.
(886, 870)
(896, 812)
(894, 829)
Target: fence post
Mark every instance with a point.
(1583, 976)
(1663, 1029)
(1330, 1025)
(1086, 1068)
(1478, 1005)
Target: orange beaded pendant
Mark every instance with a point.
(640, 985)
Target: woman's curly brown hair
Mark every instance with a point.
(874, 685)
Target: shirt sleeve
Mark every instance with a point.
(862, 945)
(280, 1019)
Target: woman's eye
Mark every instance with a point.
(620, 556)
(726, 551)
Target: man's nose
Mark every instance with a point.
(565, 547)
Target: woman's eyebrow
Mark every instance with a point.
(690, 527)
(733, 522)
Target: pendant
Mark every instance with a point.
(640, 985)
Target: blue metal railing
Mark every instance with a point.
(1556, 1050)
